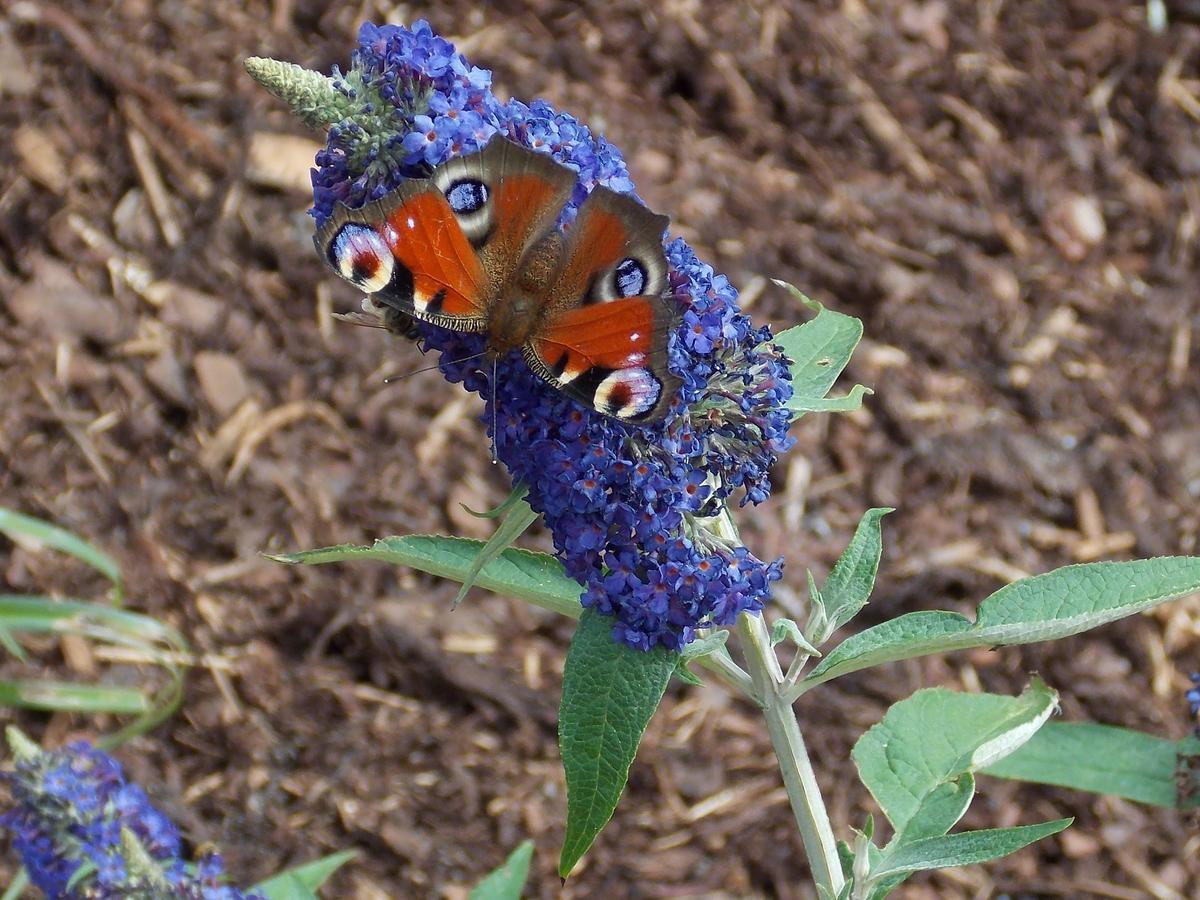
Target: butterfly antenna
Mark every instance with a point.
(392, 378)
(494, 432)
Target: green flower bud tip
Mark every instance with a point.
(22, 747)
(144, 868)
(311, 95)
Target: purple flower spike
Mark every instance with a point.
(73, 808)
(636, 512)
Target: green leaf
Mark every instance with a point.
(939, 810)
(287, 887)
(713, 643)
(963, 849)
(1044, 607)
(1101, 759)
(21, 527)
(846, 858)
(515, 523)
(299, 882)
(902, 767)
(819, 349)
(703, 646)
(849, 585)
(785, 630)
(535, 577)
(610, 691)
(519, 493)
(851, 402)
(507, 882)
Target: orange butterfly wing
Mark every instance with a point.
(443, 249)
(409, 253)
(604, 337)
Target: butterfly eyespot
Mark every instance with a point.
(362, 257)
(631, 277)
(467, 196)
(627, 393)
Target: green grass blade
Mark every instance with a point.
(12, 645)
(19, 526)
(158, 645)
(64, 696)
(17, 888)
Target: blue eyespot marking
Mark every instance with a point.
(631, 277)
(467, 196)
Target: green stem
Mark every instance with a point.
(728, 672)
(799, 779)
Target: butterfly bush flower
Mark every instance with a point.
(85, 833)
(636, 512)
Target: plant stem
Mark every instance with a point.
(799, 779)
(729, 673)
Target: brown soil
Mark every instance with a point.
(1008, 194)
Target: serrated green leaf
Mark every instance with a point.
(1101, 759)
(965, 848)
(507, 882)
(610, 691)
(902, 767)
(22, 527)
(848, 587)
(819, 349)
(535, 577)
(1044, 607)
(515, 524)
(299, 882)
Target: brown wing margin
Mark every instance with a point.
(529, 191)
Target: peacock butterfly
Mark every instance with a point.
(475, 248)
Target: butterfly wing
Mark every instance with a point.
(610, 356)
(443, 249)
(604, 335)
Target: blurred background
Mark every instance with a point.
(1008, 195)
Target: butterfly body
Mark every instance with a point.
(475, 248)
